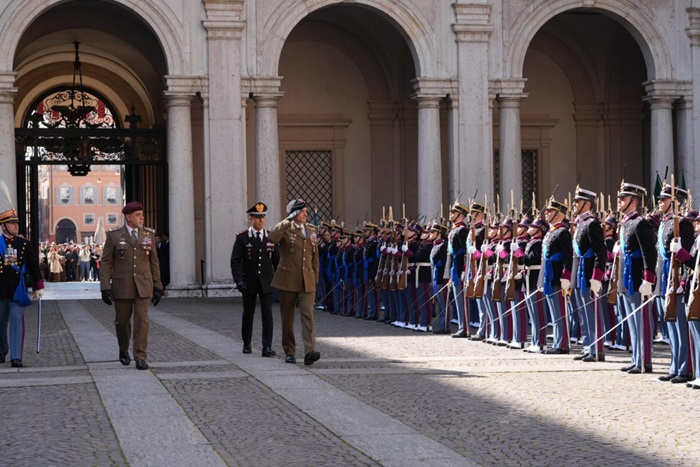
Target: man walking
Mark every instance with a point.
(253, 262)
(296, 278)
(130, 278)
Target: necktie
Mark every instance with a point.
(259, 236)
(135, 234)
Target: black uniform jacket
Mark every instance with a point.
(254, 262)
(589, 234)
(636, 233)
(558, 239)
(9, 277)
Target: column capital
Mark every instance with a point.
(435, 86)
(663, 90)
(8, 91)
(176, 84)
(510, 89)
(472, 22)
(224, 19)
(261, 85)
(427, 101)
(693, 29)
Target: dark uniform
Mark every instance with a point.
(456, 254)
(532, 260)
(638, 263)
(371, 263)
(254, 260)
(16, 260)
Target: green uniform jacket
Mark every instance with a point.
(130, 270)
(298, 267)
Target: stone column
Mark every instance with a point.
(383, 178)
(510, 153)
(684, 122)
(452, 148)
(473, 32)
(661, 101)
(429, 160)
(693, 31)
(181, 192)
(8, 158)
(226, 194)
(587, 119)
(268, 179)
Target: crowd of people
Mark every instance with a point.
(615, 280)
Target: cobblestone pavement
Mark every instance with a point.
(476, 403)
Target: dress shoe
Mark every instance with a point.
(502, 343)
(2, 357)
(290, 359)
(460, 334)
(311, 357)
(680, 379)
(667, 377)
(696, 386)
(16, 363)
(247, 349)
(555, 351)
(124, 358)
(268, 352)
(627, 368)
(476, 338)
(592, 358)
(141, 365)
(441, 332)
(370, 318)
(635, 370)
(581, 356)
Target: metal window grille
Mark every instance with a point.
(529, 174)
(309, 176)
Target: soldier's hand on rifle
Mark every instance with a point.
(519, 275)
(37, 294)
(514, 247)
(565, 284)
(107, 297)
(404, 247)
(499, 248)
(382, 248)
(616, 248)
(596, 285)
(646, 289)
(489, 276)
(676, 245)
(472, 249)
(484, 247)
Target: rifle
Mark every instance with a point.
(614, 275)
(694, 300)
(471, 261)
(674, 280)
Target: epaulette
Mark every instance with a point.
(148, 229)
(114, 229)
(242, 231)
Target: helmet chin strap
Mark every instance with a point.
(623, 210)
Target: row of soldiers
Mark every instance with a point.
(609, 281)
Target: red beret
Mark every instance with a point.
(132, 207)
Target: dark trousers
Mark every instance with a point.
(249, 300)
(124, 310)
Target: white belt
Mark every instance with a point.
(418, 266)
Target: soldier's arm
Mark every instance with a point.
(155, 270)
(278, 231)
(600, 251)
(107, 264)
(237, 260)
(647, 243)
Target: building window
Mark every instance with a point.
(111, 219)
(64, 196)
(89, 195)
(88, 219)
(111, 194)
(309, 176)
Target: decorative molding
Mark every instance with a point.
(472, 22)
(186, 85)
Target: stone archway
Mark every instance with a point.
(66, 231)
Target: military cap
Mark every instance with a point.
(460, 208)
(692, 215)
(327, 225)
(295, 205)
(630, 189)
(507, 223)
(9, 216)
(611, 221)
(557, 206)
(478, 207)
(495, 223)
(526, 221)
(370, 225)
(258, 210)
(666, 192)
(437, 227)
(417, 228)
(585, 195)
(540, 224)
(132, 207)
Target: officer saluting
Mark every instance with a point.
(130, 276)
(253, 262)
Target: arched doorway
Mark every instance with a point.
(66, 231)
(120, 79)
(348, 110)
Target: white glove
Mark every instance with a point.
(499, 248)
(489, 276)
(616, 248)
(519, 275)
(472, 249)
(37, 294)
(565, 284)
(382, 248)
(676, 245)
(484, 247)
(404, 247)
(680, 290)
(646, 289)
(596, 285)
(514, 247)
(540, 289)
(393, 250)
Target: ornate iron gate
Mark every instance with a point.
(310, 176)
